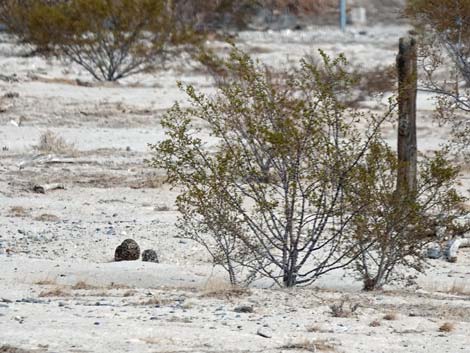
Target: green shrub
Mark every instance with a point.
(111, 39)
(393, 230)
(270, 201)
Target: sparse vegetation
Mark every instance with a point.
(111, 39)
(392, 229)
(18, 211)
(82, 285)
(443, 27)
(310, 345)
(49, 142)
(391, 316)
(447, 327)
(274, 193)
(222, 289)
(47, 217)
(344, 308)
(55, 292)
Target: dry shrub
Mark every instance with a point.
(153, 301)
(447, 327)
(18, 211)
(10, 349)
(375, 323)
(459, 288)
(56, 292)
(223, 290)
(341, 310)
(129, 293)
(49, 142)
(149, 181)
(377, 80)
(310, 345)
(314, 328)
(47, 217)
(391, 316)
(113, 285)
(46, 282)
(82, 285)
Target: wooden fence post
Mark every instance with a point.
(407, 93)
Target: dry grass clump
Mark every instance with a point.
(46, 282)
(391, 316)
(223, 290)
(56, 292)
(47, 217)
(149, 181)
(10, 349)
(447, 327)
(310, 345)
(82, 285)
(18, 211)
(113, 285)
(375, 323)
(129, 293)
(162, 208)
(459, 288)
(49, 142)
(378, 80)
(314, 328)
(342, 310)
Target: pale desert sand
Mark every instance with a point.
(182, 304)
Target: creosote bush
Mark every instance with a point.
(393, 229)
(271, 200)
(443, 28)
(293, 188)
(111, 39)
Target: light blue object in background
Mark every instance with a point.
(342, 14)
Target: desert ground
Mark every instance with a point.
(60, 290)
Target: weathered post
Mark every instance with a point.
(342, 14)
(407, 92)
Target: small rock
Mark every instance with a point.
(265, 332)
(3, 305)
(243, 309)
(434, 251)
(129, 250)
(150, 255)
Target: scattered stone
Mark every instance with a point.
(5, 300)
(243, 309)
(19, 319)
(434, 251)
(129, 250)
(150, 255)
(30, 301)
(11, 95)
(265, 332)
